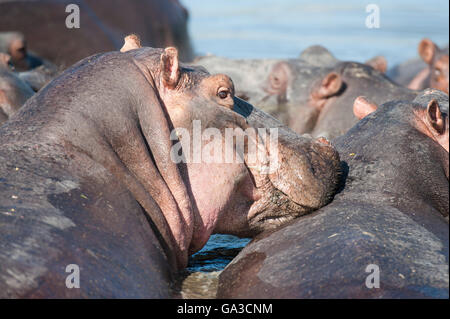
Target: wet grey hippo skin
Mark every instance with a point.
(392, 211)
(103, 24)
(89, 181)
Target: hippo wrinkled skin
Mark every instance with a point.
(90, 181)
(391, 216)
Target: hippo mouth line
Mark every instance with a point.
(275, 210)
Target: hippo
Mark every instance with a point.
(319, 100)
(281, 87)
(320, 56)
(435, 75)
(103, 24)
(430, 70)
(14, 44)
(14, 91)
(385, 234)
(94, 182)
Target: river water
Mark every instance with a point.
(282, 29)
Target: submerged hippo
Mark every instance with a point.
(14, 92)
(103, 24)
(91, 181)
(390, 219)
(319, 100)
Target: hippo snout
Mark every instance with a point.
(308, 172)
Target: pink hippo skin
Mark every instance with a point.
(96, 186)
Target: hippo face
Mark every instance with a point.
(13, 91)
(304, 90)
(247, 194)
(438, 61)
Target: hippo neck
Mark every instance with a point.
(402, 176)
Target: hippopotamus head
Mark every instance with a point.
(241, 195)
(304, 90)
(13, 43)
(319, 99)
(438, 62)
(13, 91)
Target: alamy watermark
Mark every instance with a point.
(373, 19)
(373, 280)
(258, 148)
(73, 19)
(73, 279)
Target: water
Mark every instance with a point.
(282, 29)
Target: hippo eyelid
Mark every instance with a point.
(223, 92)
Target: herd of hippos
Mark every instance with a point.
(86, 177)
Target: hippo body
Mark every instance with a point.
(391, 212)
(103, 24)
(90, 180)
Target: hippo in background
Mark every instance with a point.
(92, 182)
(14, 44)
(258, 82)
(391, 216)
(103, 24)
(428, 71)
(317, 55)
(318, 100)
(14, 91)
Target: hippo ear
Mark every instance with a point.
(362, 107)
(170, 70)
(434, 116)
(331, 85)
(427, 49)
(379, 63)
(132, 42)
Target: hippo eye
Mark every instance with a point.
(223, 93)
(437, 72)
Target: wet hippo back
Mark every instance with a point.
(391, 215)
